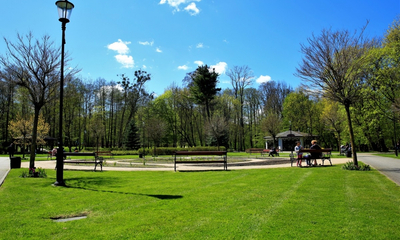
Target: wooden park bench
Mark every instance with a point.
(97, 160)
(223, 159)
(104, 153)
(324, 154)
(262, 151)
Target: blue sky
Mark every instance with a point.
(168, 38)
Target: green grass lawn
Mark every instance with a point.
(169, 158)
(288, 203)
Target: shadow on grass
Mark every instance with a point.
(211, 170)
(85, 183)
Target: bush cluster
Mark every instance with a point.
(34, 172)
(360, 167)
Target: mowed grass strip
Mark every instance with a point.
(285, 203)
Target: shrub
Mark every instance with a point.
(360, 167)
(164, 150)
(34, 172)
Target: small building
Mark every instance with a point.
(287, 140)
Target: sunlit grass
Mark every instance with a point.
(289, 203)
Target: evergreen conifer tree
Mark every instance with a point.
(132, 138)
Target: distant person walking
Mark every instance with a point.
(11, 150)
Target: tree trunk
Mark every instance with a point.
(34, 138)
(353, 149)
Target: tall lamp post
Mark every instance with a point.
(64, 13)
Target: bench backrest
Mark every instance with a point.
(249, 150)
(316, 150)
(79, 154)
(201, 153)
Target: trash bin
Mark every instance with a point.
(15, 162)
(348, 153)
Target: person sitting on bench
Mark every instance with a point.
(314, 156)
(273, 152)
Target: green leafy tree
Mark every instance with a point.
(21, 130)
(383, 70)
(333, 118)
(300, 110)
(384, 66)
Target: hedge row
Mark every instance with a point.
(161, 150)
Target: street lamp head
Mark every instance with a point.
(64, 10)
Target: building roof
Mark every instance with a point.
(288, 134)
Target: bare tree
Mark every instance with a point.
(332, 67)
(241, 77)
(273, 95)
(217, 130)
(272, 125)
(95, 126)
(134, 94)
(34, 65)
(156, 130)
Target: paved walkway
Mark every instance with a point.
(388, 166)
(4, 168)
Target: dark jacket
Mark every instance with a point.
(315, 155)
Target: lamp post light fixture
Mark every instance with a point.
(64, 13)
(290, 135)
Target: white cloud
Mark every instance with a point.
(200, 45)
(184, 67)
(120, 46)
(147, 43)
(199, 63)
(144, 66)
(263, 79)
(192, 9)
(119, 87)
(125, 60)
(158, 50)
(220, 67)
(122, 57)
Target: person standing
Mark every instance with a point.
(297, 148)
(11, 150)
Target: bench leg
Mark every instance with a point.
(175, 163)
(225, 163)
